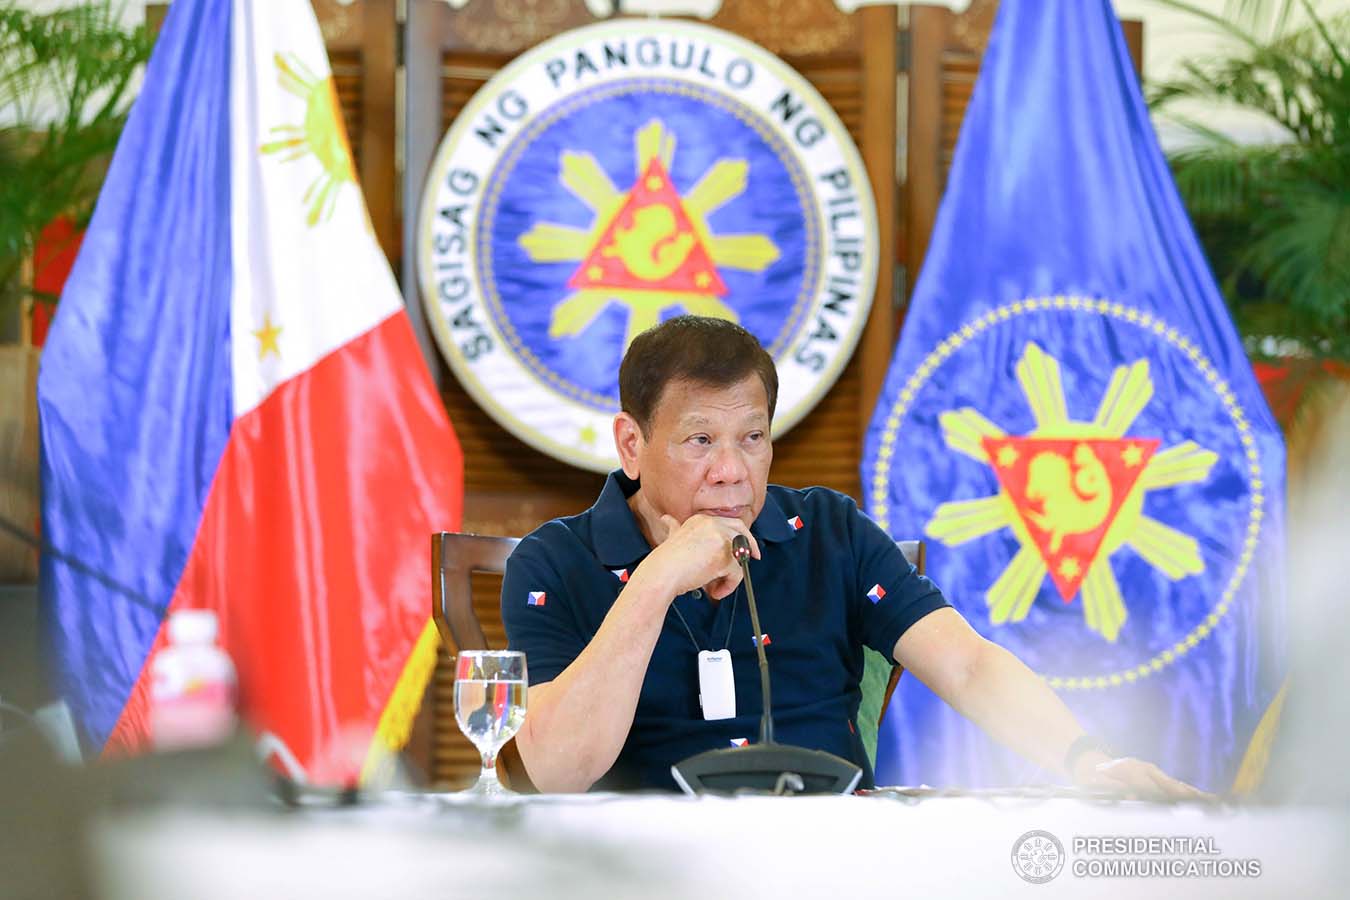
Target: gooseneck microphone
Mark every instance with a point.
(740, 551)
(767, 766)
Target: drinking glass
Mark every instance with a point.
(490, 707)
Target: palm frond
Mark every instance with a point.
(1274, 219)
(65, 76)
(1303, 252)
(1223, 23)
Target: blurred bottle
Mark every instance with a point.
(192, 685)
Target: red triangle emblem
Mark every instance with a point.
(650, 244)
(1067, 492)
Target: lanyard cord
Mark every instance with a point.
(689, 631)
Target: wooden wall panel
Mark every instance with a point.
(347, 78)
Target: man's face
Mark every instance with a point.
(707, 451)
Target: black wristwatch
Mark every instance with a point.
(1085, 743)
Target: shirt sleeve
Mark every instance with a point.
(536, 612)
(891, 594)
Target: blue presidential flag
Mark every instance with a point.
(1071, 424)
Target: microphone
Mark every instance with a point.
(740, 549)
(766, 766)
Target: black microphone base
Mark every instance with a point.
(763, 767)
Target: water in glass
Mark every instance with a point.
(490, 690)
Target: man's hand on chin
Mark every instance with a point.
(1131, 778)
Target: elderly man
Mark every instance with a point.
(613, 606)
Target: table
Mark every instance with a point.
(892, 843)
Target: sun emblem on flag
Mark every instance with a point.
(650, 248)
(1073, 494)
(321, 135)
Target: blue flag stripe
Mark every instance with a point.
(135, 386)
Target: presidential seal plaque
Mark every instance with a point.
(624, 173)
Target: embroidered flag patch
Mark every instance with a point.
(621, 574)
(876, 593)
(763, 637)
(537, 598)
(796, 523)
(739, 742)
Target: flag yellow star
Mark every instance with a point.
(1007, 456)
(1132, 456)
(1069, 568)
(268, 336)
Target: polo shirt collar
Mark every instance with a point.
(620, 542)
(771, 524)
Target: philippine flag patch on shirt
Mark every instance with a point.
(537, 598)
(876, 593)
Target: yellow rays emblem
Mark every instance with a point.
(321, 135)
(649, 248)
(1073, 494)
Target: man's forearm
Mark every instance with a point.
(577, 724)
(1016, 707)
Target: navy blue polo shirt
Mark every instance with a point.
(828, 582)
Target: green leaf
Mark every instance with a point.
(1274, 219)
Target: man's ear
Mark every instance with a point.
(629, 442)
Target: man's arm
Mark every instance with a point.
(578, 722)
(996, 690)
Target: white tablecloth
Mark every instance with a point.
(891, 844)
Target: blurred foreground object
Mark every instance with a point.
(657, 847)
(1308, 744)
(192, 685)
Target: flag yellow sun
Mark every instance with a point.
(321, 135)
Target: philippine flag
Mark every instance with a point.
(235, 413)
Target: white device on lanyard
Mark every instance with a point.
(716, 685)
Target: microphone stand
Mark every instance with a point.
(740, 549)
(768, 765)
